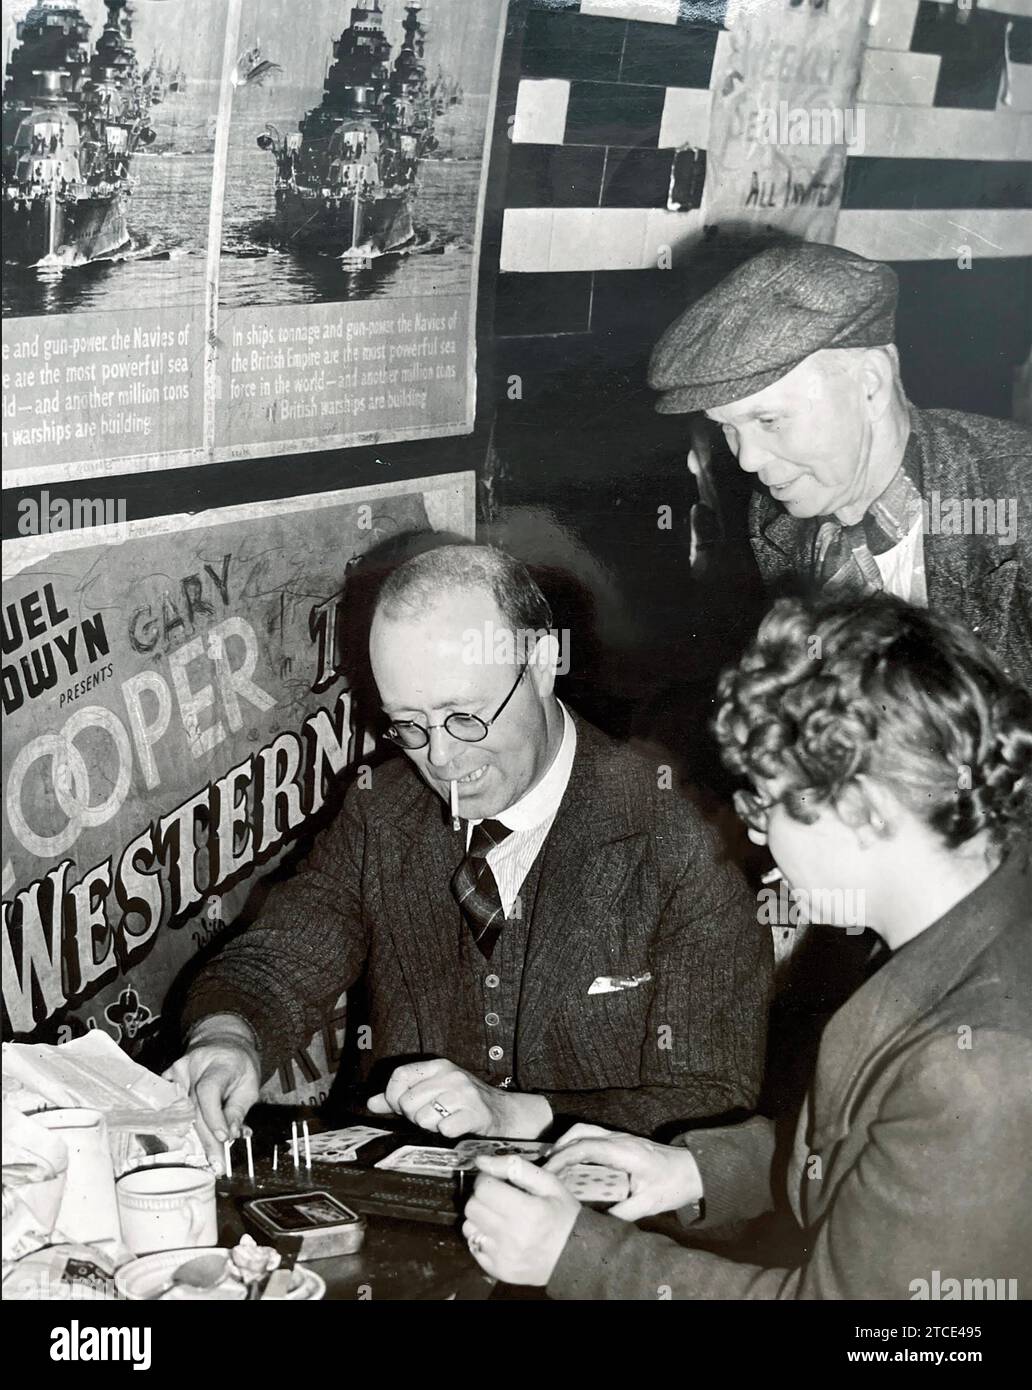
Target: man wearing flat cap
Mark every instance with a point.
(793, 356)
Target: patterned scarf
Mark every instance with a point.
(844, 555)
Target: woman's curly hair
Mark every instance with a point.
(830, 691)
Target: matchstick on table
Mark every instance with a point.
(250, 1157)
(293, 1142)
(308, 1146)
(275, 1158)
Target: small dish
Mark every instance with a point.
(142, 1278)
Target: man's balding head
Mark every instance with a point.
(456, 630)
(421, 581)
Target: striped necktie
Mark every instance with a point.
(475, 888)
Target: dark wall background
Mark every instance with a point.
(581, 462)
(572, 460)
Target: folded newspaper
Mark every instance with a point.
(149, 1120)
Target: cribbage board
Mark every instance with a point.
(369, 1190)
(390, 1175)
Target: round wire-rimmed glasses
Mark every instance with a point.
(467, 728)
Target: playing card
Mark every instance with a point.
(530, 1149)
(430, 1162)
(342, 1145)
(592, 1182)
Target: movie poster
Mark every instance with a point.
(175, 708)
(237, 228)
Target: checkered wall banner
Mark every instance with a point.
(608, 161)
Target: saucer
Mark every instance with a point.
(142, 1278)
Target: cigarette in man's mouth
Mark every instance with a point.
(772, 875)
(456, 824)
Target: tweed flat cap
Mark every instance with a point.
(767, 316)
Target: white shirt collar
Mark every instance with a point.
(541, 801)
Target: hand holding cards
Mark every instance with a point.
(595, 1185)
(520, 1216)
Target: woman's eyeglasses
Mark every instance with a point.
(753, 809)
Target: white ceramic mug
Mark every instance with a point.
(167, 1208)
(88, 1208)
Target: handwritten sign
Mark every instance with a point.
(784, 116)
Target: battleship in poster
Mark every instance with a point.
(347, 179)
(72, 121)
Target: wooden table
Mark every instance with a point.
(400, 1259)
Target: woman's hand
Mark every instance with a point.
(518, 1220)
(663, 1178)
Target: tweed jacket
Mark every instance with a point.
(974, 577)
(632, 883)
(911, 1155)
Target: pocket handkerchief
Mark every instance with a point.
(613, 984)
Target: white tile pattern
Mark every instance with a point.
(541, 111)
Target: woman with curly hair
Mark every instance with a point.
(889, 756)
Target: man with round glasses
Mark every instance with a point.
(542, 923)
(467, 728)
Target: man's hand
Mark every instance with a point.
(441, 1097)
(223, 1079)
(516, 1229)
(663, 1178)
